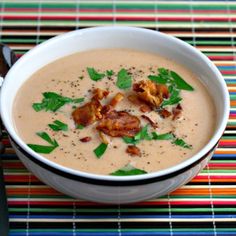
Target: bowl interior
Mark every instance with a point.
(116, 37)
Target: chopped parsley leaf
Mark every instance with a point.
(128, 170)
(100, 150)
(124, 80)
(53, 101)
(58, 125)
(94, 75)
(43, 148)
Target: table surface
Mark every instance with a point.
(206, 205)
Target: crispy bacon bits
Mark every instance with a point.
(164, 113)
(99, 94)
(91, 111)
(136, 101)
(88, 113)
(113, 103)
(150, 92)
(116, 99)
(133, 150)
(119, 124)
(145, 108)
(85, 139)
(176, 111)
(150, 121)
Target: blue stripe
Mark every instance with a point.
(226, 67)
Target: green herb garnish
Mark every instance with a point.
(144, 135)
(128, 170)
(174, 97)
(166, 76)
(174, 82)
(53, 101)
(79, 126)
(180, 82)
(124, 80)
(180, 142)
(166, 136)
(43, 148)
(109, 73)
(158, 79)
(100, 150)
(94, 75)
(58, 125)
(141, 135)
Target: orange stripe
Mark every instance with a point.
(202, 191)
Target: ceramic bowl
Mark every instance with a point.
(114, 189)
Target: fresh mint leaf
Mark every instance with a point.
(53, 101)
(180, 82)
(128, 170)
(58, 125)
(100, 150)
(180, 142)
(94, 75)
(166, 136)
(124, 80)
(43, 148)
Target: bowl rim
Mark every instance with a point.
(195, 158)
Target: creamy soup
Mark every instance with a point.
(148, 113)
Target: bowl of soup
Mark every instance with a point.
(114, 114)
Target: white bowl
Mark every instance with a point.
(114, 189)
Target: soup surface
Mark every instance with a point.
(167, 115)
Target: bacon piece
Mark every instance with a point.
(116, 99)
(119, 124)
(134, 99)
(133, 150)
(145, 108)
(152, 123)
(99, 94)
(110, 107)
(176, 112)
(85, 139)
(106, 109)
(150, 92)
(88, 113)
(164, 113)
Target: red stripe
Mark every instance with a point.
(228, 72)
(215, 57)
(212, 165)
(93, 9)
(227, 143)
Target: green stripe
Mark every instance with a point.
(114, 210)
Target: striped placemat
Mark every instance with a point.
(206, 205)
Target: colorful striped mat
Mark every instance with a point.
(206, 205)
